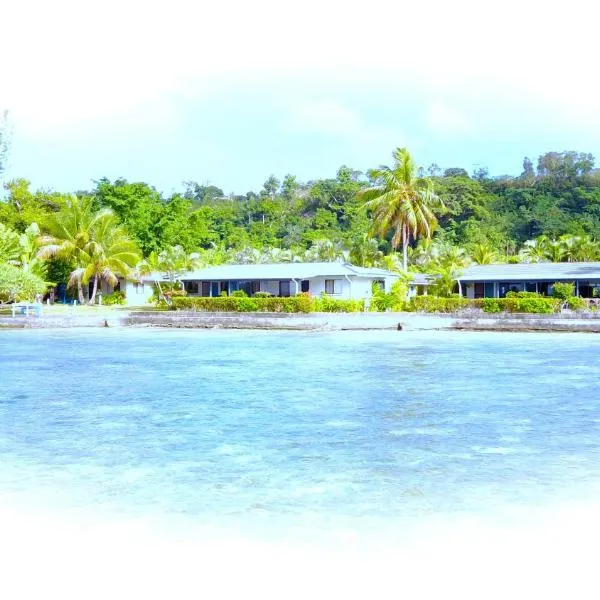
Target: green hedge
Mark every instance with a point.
(539, 305)
(334, 305)
(435, 304)
(293, 304)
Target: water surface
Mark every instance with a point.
(298, 437)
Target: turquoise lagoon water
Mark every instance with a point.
(298, 437)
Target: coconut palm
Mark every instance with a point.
(579, 248)
(364, 251)
(482, 254)
(109, 255)
(69, 233)
(534, 251)
(325, 250)
(171, 262)
(402, 202)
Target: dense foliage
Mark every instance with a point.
(16, 284)
(550, 212)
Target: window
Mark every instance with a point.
(489, 290)
(206, 288)
(284, 289)
(332, 286)
(191, 287)
(305, 286)
(139, 288)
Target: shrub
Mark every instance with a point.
(334, 305)
(115, 298)
(452, 303)
(263, 295)
(563, 291)
(17, 285)
(239, 294)
(577, 303)
(395, 299)
(515, 304)
(294, 304)
(523, 295)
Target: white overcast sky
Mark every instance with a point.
(229, 92)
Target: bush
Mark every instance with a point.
(519, 304)
(394, 300)
(523, 295)
(239, 294)
(17, 285)
(436, 304)
(115, 298)
(577, 303)
(263, 295)
(563, 291)
(335, 305)
(294, 304)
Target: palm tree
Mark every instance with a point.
(9, 245)
(172, 262)
(402, 202)
(364, 251)
(534, 251)
(482, 254)
(579, 248)
(110, 254)
(324, 250)
(70, 231)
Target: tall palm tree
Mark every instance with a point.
(110, 254)
(69, 232)
(402, 202)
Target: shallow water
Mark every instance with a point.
(386, 441)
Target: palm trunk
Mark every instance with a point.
(405, 248)
(94, 290)
(80, 292)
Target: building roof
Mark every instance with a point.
(274, 271)
(420, 279)
(532, 272)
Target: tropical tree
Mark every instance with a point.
(401, 202)
(17, 285)
(171, 262)
(10, 247)
(69, 233)
(482, 254)
(325, 250)
(110, 254)
(364, 251)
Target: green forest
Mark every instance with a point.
(550, 212)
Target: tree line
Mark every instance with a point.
(400, 216)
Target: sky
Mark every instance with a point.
(228, 92)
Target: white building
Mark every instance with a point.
(495, 281)
(338, 280)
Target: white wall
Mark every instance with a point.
(137, 294)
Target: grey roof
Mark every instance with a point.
(532, 272)
(274, 271)
(420, 279)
